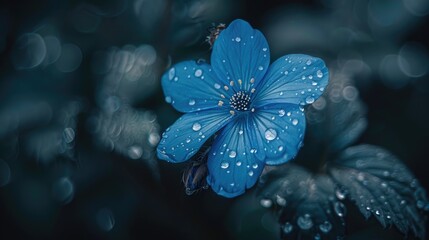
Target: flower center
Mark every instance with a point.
(240, 101)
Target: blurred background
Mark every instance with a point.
(82, 110)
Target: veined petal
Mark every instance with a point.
(240, 56)
(190, 86)
(282, 126)
(232, 164)
(183, 139)
(296, 78)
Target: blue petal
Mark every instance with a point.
(183, 139)
(240, 54)
(282, 126)
(295, 78)
(232, 164)
(191, 86)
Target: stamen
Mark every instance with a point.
(240, 101)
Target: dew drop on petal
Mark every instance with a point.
(238, 164)
(270, 134)
(282, 112)
(217, 86)
(171, 73)
(224, 165)
(196, 127)
(325, 227)
(287, 228)
(168, 99)
(340, 209)
(232, 154)
(305, 222)
(260, 68)
(295, 122)
(319, 74)
(255, 166)
(266, 203)
(280, 201)
(340, 193)
(198, 73)
(280, 148)
(238, 39)
(250, 173)
(308, 62)
(309, 100)
(191, 102)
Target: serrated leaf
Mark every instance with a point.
(382, 186)
(306, 203)
(337, 119)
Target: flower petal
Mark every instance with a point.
(190, 86)
(240, 54)
(295, 78)
(232, 164)
(183, 139)
(282, 126)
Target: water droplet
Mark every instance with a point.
(295, 122)
(188, 140)
(224, 165)
(282, 112)
(191, 102)
(309, 100)
(168, 99)
(253, 150)
(238, 39)
(280, 148)
(135, 152)
(340, 209)
(238, 164)
(198, 73)
(341, 194)
(305, 222)
(317, 236)
(240, 132)
(266, 203)
(196, 127)
(68, 135)
(280, 201)
(260, 68)
(63, 190)
(325, 227)
(308, 62)
(105, 219)
(264, 49)
(255, 166)
(232, 154)
(377, 212)
(286, 72)
(250, 173)
(171, 73)
(270, 134)
(217, 86)
(287, 228)
(319, 74)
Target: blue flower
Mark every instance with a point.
(255, 110)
